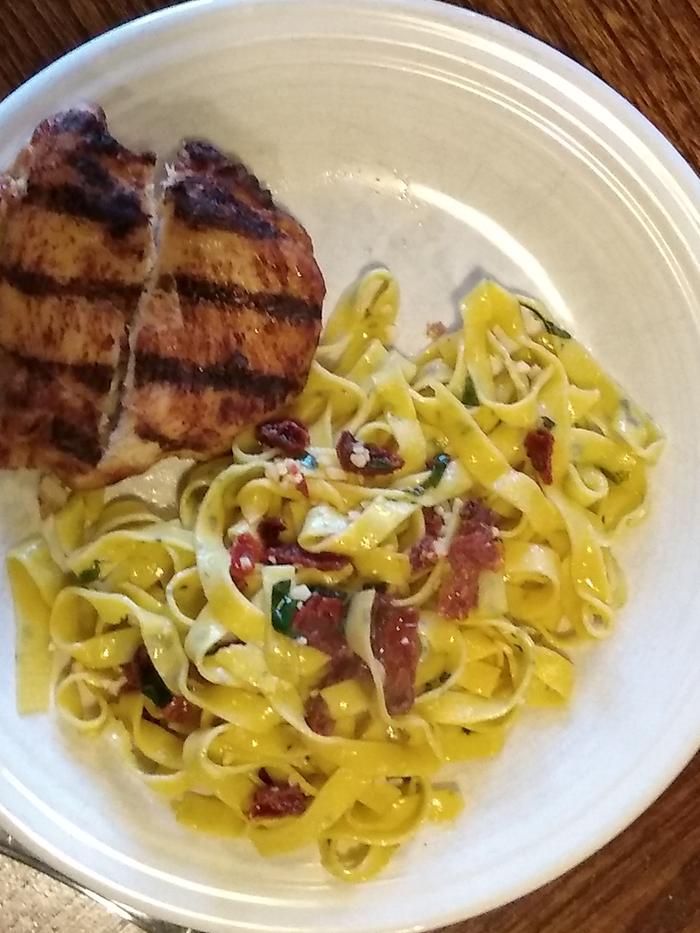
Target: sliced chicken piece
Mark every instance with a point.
(226, 334)
(77, 249)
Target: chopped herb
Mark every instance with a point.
(381, 463)
(153, 687)
(330, 592)
(548, 423)
(469, 396)
(90, 574)
(550, 326)
(437, 682)
(613, 476)
(308, 460)
(628, 413)
(439, 465)
(283, 607)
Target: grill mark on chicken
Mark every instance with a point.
(232, 297)
(123, 295)
(91, 170)
(200, 203)
(232, 374)
(119, 208)
(91, 125)
(95, 376)
(68, 290)
(204, 158)
(135, 365)
(71, 439)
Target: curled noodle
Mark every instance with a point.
(217, 717)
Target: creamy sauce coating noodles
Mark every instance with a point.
(368, 588)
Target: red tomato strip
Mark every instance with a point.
(299, 557)
(475, 547)
(396, 645)
(245, 552)
(380, 460)
(539, 445)
(318, 716)
(276, 800)
(290, 436)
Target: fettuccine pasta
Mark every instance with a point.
(368, 588)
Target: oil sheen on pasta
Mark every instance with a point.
(519, 462)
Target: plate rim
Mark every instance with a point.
(643, 129)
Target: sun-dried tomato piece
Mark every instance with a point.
(289, 435)
(135, 669)
(297, 555)
(433, 521)
(396, 645)
(270, 531)
(140, 674)
(366, 459)
(318, 716)
(246, 551)
(475, 547)
(278, 799)
(345, 666)
(295, 476)
(539, 445)
(320, 621)
(424, 554)
(181, 711)
(436, 329)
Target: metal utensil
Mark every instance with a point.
(14, 850)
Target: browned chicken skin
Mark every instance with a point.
(76, 251)
(227, 332)
(219, 332)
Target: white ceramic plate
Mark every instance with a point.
(444, 145)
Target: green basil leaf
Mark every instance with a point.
(469, 396)
(440, 464)
(283, 607)
(613, 476)
(152, 686)
(550, 326)
(381, 464)
(90, 574)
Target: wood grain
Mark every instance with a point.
(648, 879)
(649, 50)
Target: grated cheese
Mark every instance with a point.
(359, 456)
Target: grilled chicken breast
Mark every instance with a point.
(77, 248)
(226, 333)
(114, 354)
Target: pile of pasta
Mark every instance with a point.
(111, 577)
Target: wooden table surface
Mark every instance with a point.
(648, 879)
